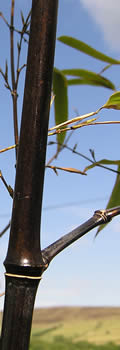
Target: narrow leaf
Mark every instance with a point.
(70, 170)
(87, 82)
(102, 161)
(113, 101)
(88, 77)
(61, 100)
(87, 49)
(114, 200)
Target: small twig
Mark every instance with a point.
(89, 123)
(8, 148)
(9, 188)
(73, 120)
(24, 28)
(12, 44)
(1, 294)
(100, 217)
(22, 67)
(5, 77)
(14, 93)
(85, 157)
(5, 229)
(18, 60)
(4, 19)
(61, 146)
(70, 149)
(70, 170)
(53, 157)
(8, 25)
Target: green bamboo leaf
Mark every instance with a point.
(103, 162)
(87, 49)
(89, 77)
(61, 100)
(82, 82)
(114, 200)
(113, 101)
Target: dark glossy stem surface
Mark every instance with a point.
(100, 217)
(24, 256)
(17, 319)
(24, 244)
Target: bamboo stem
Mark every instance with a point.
(18, 313)
(24, 244)
(24, 263)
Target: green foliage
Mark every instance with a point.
(87, 49)
(61, 343)
(89, 78)
(61, 100)
(115, 195)
(113, 101)
(80, 77)
(103, 162)
(84, 77)
(114, 200)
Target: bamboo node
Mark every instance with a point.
(23, 276)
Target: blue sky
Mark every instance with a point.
(87, 272)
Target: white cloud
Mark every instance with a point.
(106, 13)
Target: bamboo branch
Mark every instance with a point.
(8, 148)
(23, 31)
(64, 145)
(78, 126)
(14, 92)
(73, 120)
(5, 77)
(8, 187)
(5, 229)
(99, 217)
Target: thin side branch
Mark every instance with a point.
(73, 120)
(1, 294)
(8, 148)
(8, 187)
(5, 229)
(14, 92)
(64, 145)
(99, 217)
(88, 123)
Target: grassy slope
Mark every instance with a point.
(94, 325)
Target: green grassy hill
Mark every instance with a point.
(76, 324)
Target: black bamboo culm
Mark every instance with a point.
(24, 263)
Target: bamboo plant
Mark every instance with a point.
(25, 261)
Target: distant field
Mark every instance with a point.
(76, 325)
(75, 328)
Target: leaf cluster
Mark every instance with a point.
(67, 77)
